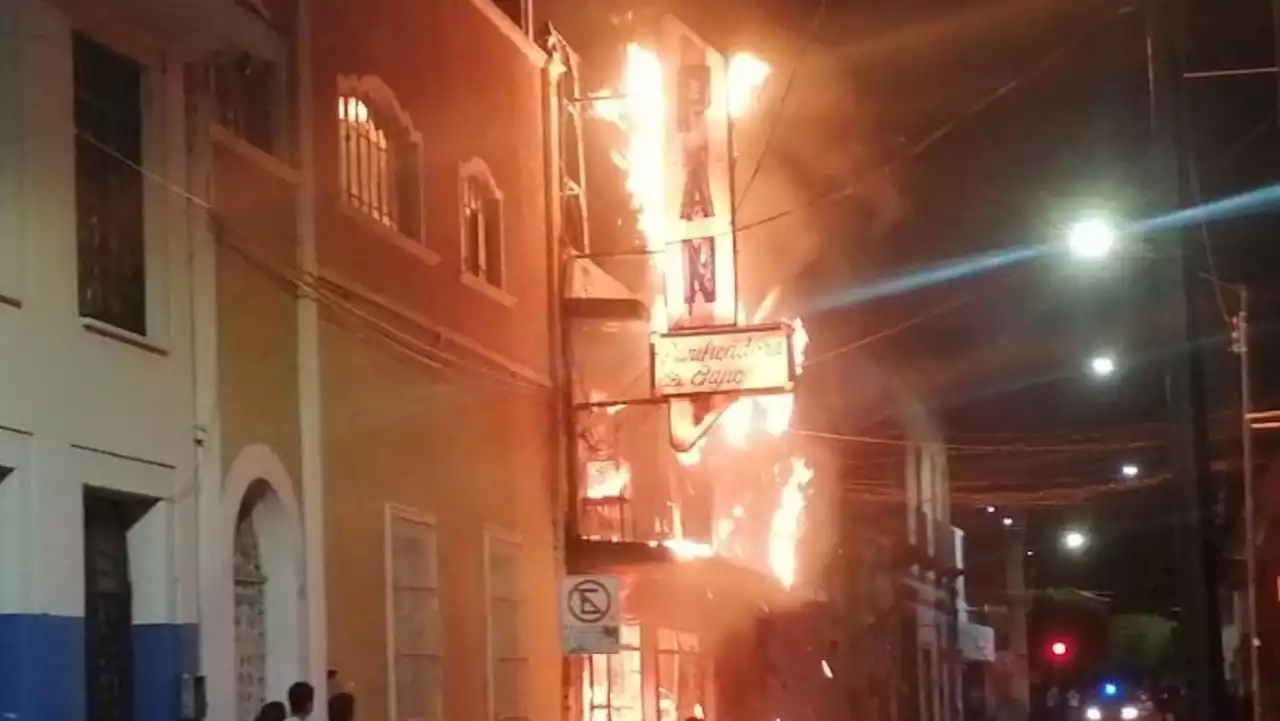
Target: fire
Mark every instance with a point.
(639, 108)
(607, 479)
(784, 530)
(746, 74)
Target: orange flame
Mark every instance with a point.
(639, 108)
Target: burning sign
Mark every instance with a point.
(735, 361)
(700, 273)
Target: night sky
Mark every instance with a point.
(951, 130)
(1000, 355)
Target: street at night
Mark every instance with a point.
(605, 360)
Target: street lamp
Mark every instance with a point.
(1091, 239)
(1074, 541)
(1129, 470)
(1102, 365)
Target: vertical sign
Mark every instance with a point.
(699, 263)
(699, 268)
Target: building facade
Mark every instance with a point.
(98, 443)
(280, 363)
(433, 274)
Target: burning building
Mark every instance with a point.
(686, 484)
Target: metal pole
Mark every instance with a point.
(1189, 440)
(1250, 528)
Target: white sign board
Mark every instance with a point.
(977, 642)
(725, 361)
(589, 614)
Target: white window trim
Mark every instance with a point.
(391, 513)
(373, 90)
(477, 169)
(494, 533)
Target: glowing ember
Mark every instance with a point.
(746, 74)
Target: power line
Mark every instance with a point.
(776, 119)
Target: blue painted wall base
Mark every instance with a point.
(42, 668)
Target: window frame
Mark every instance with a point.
(494, 536)
(393, 514)
(379, 98)
(152, 88)
(476, 170)
(681, 654)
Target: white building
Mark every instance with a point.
(133, 467)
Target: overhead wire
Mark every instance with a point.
(312, 288)
(776, 120)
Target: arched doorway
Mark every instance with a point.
(266, 610)
(251, 640)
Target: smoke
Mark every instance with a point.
(792, 153)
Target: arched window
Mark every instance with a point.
(379, 164)
(482, 226)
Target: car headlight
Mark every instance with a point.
(1129, 713)
(1093, 713)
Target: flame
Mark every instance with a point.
(784, 531)
(745, 76)
(639, 108)
(607, 479)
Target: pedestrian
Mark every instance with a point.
(342, 707)
(302, 700)
(272, 711)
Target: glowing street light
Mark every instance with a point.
(1074, 541)
(1091, 239)
(1130, 470)
(1007, 521)
(1102, 366)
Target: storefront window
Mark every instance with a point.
(680, 676)
(611, 683)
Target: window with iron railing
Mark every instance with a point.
(379, 166)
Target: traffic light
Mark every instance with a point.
(1059, 650)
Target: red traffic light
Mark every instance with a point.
(1058, 648)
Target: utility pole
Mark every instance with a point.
(1189, 443)
(1019, 606)
(1240, 344)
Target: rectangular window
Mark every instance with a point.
(482, 231)
(414, 631)
(509, 663)
(680, 676)
(612, 684)
(110, 238)
(246, 90)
